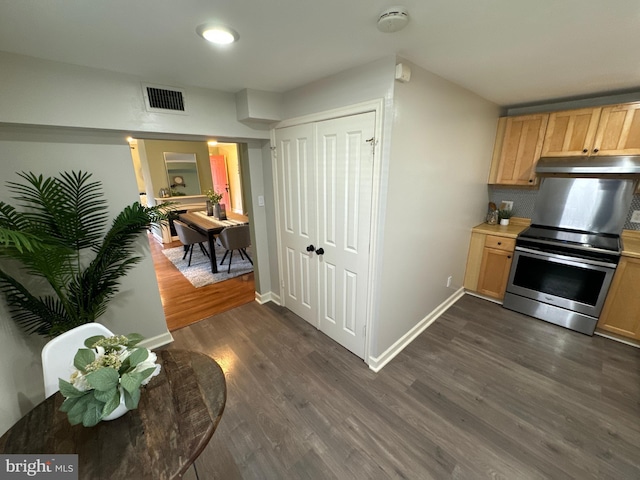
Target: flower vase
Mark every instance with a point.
(504, 221)
(119, 411)
(209, 208)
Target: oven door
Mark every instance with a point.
(572, 283)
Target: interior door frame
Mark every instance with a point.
(376, 106)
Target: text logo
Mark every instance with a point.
(50, 467)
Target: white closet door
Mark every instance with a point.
(344, 179)
(297, 205)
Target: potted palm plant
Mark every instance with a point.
(83, 261)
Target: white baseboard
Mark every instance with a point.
(268, 297)
(157, 341)
(483, 297)
(376, 363)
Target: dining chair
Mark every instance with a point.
(235, 238)
(190, 237)
(58, 353)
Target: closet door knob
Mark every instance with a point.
(320, 251)
(311, 248)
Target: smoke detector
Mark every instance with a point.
(393, 19)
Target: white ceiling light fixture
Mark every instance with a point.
(393, 19)
(218, 34)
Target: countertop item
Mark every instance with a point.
(178, 412)
(515, 227)
(631, 243)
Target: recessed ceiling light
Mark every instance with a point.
(218, 34)
(212, 143)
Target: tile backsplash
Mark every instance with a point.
(525, 200)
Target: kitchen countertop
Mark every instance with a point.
(631, 243)
(515, 227)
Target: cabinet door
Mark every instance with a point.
(494, 272)
(618, 131)
(520, 150)
(621, 312)
(571, 132)
(474, 261)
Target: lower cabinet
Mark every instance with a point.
(621, 312)
(488, 264)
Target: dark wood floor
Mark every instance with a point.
(483, 393)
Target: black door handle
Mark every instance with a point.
(311, 248)
(320, 251)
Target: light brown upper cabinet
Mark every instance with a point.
(618, 130)
(612, 130)
(571, 132)
(517, 149)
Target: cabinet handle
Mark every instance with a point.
(596, 150)
(508, 256)
(530, 180)
(585, 150)
(499, 243)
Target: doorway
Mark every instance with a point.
(184, 304)
(227, 175)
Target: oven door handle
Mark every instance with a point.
(576, 260)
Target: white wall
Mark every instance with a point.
(137, 308)
(359, 84)
(40, 92)
(253, 164)
(441, 148)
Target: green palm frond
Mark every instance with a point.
(20, 241)
(83, 264)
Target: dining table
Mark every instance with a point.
(178, 413)
(210, 226)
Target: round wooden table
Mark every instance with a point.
(178, 412)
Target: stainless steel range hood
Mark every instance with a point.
(589, 166)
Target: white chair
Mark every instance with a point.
(58, 353)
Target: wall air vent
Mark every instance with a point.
(163, 99)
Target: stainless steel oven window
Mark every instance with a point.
(571, 283)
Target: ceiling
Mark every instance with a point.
(512, 52)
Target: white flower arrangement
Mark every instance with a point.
(110, 367)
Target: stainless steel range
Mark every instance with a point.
(564, 263)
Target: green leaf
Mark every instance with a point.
(89, 342)
(131, 381)
(145, 373)
(134, 339)
(103, 379)
(93, 413)
(67, 390)
(112, 403)
(83, 358)
(105, 395)
(138, 355)
(76, 412)
(131, 399)
(68, 404)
